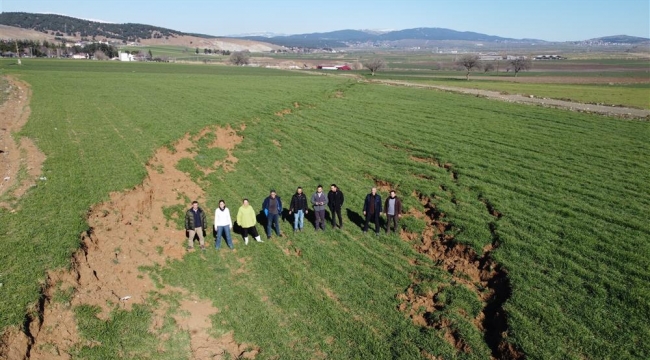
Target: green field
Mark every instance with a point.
(629, 95)
(571, 190)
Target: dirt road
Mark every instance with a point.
(623, 112)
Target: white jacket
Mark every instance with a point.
(222, 218)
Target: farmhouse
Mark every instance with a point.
(126, 57)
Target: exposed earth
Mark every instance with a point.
(130, 231)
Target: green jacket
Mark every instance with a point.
(189, 219)
(246, 216)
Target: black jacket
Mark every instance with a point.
(366, 203)
(298, 202)
(335, 199)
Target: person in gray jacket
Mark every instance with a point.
(319, 200)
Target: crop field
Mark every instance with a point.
(525, 232)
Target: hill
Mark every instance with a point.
(41, 27)
(61, 25)
(344, 38)
(622, 39)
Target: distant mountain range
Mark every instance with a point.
(343, 38)
(61, 25)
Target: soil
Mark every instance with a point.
(480, 274)
(17, 153)
(282, 113)
(624, 112)
(128, 232)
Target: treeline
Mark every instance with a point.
(46, 48)
(59, 25)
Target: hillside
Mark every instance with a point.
(622, 39)
(60, 25)
(41, 27)
(344, 38)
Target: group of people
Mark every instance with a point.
(196, 223)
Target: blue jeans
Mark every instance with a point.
(221, 230)
(298, 219)
(273, 219)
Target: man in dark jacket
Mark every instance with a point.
(272, 207)
(372, 209)
(299, 209)
(393, 210)
(335, 198)
(319, 200)
(195, 224)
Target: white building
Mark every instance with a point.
(126, 57)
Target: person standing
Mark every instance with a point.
(195, 225)
(372, 209)
(335, 199)
(246, 219)
(393, 209)
(299, 209)
(272, 207)
(319, 200)
(223, 225)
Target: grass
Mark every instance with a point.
(631, 95)
(572, 188)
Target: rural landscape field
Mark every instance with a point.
(525, 233)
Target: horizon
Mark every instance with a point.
(576, 20)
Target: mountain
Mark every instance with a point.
(61, 25)
(621, 39)
(344, 38)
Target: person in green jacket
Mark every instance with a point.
(246, 219)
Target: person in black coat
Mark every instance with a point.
(335, 199)
(372, 209)
(299, 208)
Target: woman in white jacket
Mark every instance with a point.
(222, 224)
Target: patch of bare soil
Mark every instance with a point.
(435, 162)
(283, 112)
(618, 111)
(225, 138)
(127, 232)
(478, 273)
(17, 155)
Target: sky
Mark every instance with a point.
(551, 20)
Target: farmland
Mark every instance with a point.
(526, 231)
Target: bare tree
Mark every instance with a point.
(520, 64)
(240, 57)
(488, 66)
(99, 55)
(469, 62)
(374, 65)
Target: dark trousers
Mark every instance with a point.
(395, 220)
(252, 230)
(320, 219)
(336, 212)
(375, 218)
(273, 219)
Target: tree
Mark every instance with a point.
(469, 62)
(520, 63)
(374, 65)
(197, 51)
(488, 66)
(150, 54)
(99, 55)
(240, 57)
